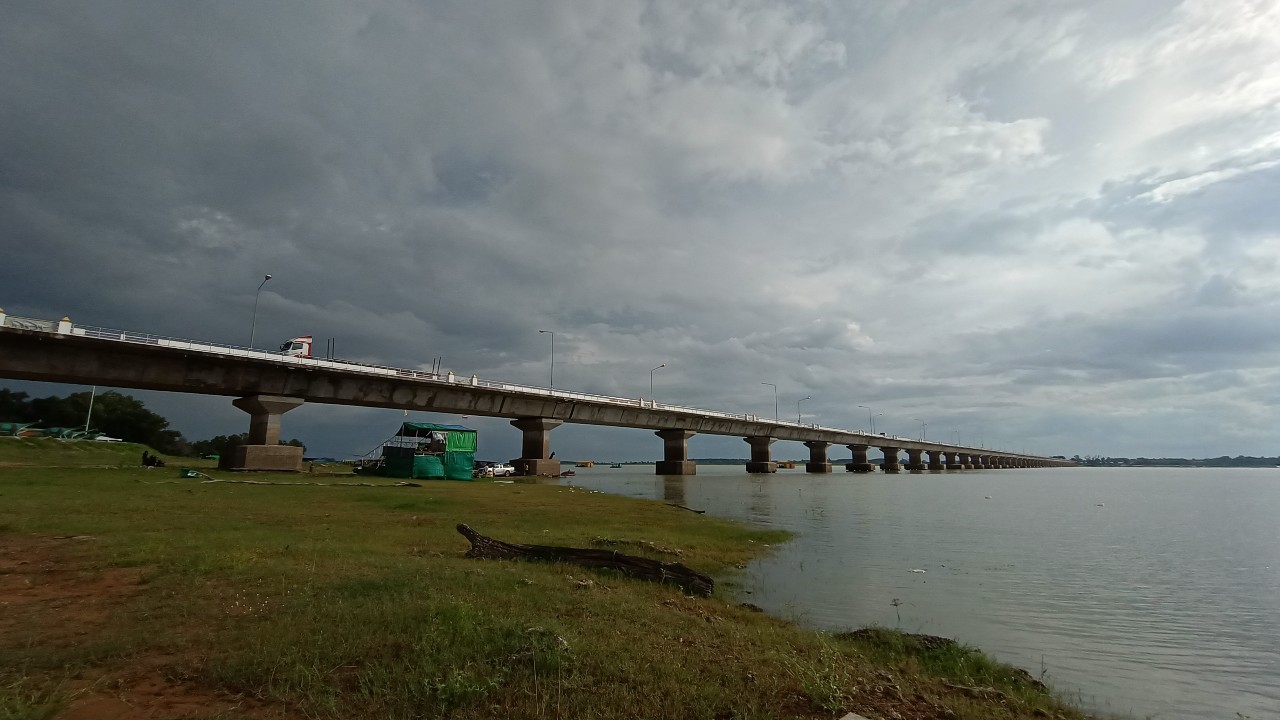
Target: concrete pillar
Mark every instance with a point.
(890, 464)
(760, 459)
(818, 462)
(675, 453)
(935, 461)
(64, 326)
(535, 447)
(859, 462)
(966, 461)
(264, 451)
(953, 460)
(915, 462)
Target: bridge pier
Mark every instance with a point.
(859, 463)
(914, 461)
(935, 461)
(818, 462)
(264, 451)
(953, 460)
(890, 464)
(675, 453)
(535, 447)
(761, 461)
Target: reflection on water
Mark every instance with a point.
(1142, 591)
(673, 488)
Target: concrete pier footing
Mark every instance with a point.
(761, 461)
(535, 447)
(915, 461)
(818, 462)
(890, 463)
(675, 453)
(858, 463)
(264, 451)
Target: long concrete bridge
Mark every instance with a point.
(266, 385)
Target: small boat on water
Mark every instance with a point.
(568, 473)
(616, 465)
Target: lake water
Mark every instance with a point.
(1151, 592)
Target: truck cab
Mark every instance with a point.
(297, 347)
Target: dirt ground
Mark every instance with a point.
(52, 596)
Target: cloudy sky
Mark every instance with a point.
(1050, 226)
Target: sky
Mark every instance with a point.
(1048, 227)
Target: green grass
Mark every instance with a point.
(69, 453)
(357, 602)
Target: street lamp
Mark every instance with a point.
(775, 399)
(651, 380)
(923, 425)
(553, 355)
(956, 433)
(89, 415)
(254, 325)
(806, 397)
(871, 418)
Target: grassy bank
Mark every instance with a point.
(126, 589)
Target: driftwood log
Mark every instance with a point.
(691, 581)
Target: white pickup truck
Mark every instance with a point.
(492, 469)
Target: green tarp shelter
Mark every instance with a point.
(430, 450)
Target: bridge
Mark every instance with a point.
(266, 385)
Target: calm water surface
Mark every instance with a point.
(1142, 591)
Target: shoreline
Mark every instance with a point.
(357, 602)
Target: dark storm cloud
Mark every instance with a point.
(748, 192)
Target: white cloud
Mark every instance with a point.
(891, 202)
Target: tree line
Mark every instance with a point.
(1221, 461)
(116, 415)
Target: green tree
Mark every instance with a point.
(114, 413)
(224, 445)
(14, 406)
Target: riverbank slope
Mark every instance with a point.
(132, 592)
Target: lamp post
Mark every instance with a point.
(651, 380)
(956, 433)
(553, 355)
(254, 325)
(806, 397)
(775, 399)
(871, 419)
(89, 414)
(923, 425)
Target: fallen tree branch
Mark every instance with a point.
(689, 580)
(313, 484)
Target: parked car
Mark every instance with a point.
(487, 468)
